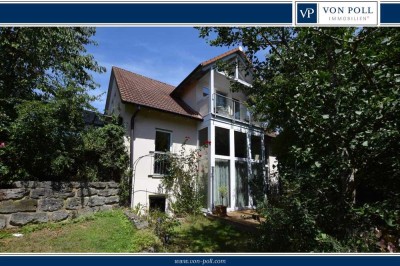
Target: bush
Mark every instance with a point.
(105, 156)
(163, 226)
(49, 142)
(145, 240)
(183, 181)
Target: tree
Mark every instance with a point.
(37, 62)
(44, 87)
(333, 94)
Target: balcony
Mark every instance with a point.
(232, 109)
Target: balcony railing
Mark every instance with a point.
(231, 108)
(160, 163)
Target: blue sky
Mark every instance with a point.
(167, 54)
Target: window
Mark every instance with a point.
(203, 136)
(206, 91)
(255, 147)
(163, 141)
(240, 145)
(157, 203)
(222, 141)
(221, 180)
(221, 99)
(242, 184)
(162, 146)
(236, 106)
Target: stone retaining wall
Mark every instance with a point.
(40, 202)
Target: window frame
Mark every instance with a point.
(160, 153)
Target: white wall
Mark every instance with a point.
(146, 123)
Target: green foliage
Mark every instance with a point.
(223, 191)
(44, 89)
(163, 226)
(145, 240)
(105, 155)
(35, 63)
(44, 140)
(333, 94)
(183, 181)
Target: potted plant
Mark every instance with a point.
(221, 209)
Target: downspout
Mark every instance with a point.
(132, 132)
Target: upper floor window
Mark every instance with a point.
(240, 145)
(222, 141)
(256, 147)
(203, 136)
(162, 145)
(206, 91)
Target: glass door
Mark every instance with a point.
(221, 183)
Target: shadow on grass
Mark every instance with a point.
(199, 234)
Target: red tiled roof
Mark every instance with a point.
(212, 60)
(137, 89)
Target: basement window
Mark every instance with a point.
(157, 203)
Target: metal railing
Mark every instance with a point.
(160, 163)
(231, 108)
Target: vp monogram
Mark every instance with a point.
(307, 12)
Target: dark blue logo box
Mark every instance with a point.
(307, 13)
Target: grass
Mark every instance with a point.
(98, 233)
(112, 232)
(199, 234)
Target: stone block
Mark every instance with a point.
(50, 205)
(18, 219)
(15, 193)
(76, 203)
(86, 210)
(98, 185)
(112, 184)
(39, 192)
(51, 193)
(44, 184)
(25, 205)
(86, 192)
(3, 221)
(108, 192)
(96, 201)
(25, 184)
(111, 200)
(106, 208)
(77, 184)
(58, 216)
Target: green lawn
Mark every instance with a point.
(112, 232)
(102, 232)
(199, 234)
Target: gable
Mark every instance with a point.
(140, 90)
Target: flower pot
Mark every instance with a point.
(220, 210)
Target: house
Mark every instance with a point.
(158, 118)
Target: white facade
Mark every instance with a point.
(237, 152)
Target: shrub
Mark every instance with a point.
(105, 156)
(183, 181)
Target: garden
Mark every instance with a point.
(113, 232)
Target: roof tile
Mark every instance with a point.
(137, 89)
